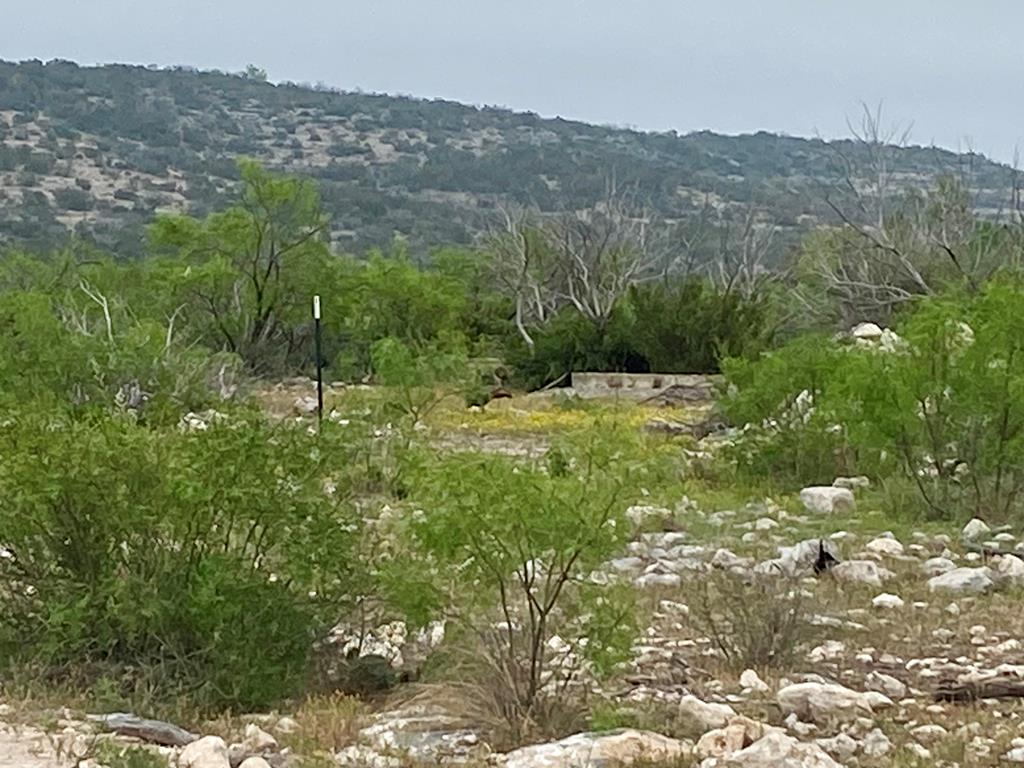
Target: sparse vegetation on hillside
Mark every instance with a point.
(98, 151)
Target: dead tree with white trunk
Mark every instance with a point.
(896, 241)
(603, 251)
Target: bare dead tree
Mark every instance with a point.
(688, 241)
(896, 241)
(604, 250)
(525, 268)
(744, 247)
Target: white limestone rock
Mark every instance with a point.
(827, 499)
(962, 581)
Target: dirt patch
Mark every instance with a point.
(25, 748)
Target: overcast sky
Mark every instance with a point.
(953, 68)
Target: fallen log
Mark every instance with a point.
(993, 688)
(153, 731)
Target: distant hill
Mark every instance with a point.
(99, 150)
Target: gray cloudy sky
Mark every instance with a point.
(952, 67)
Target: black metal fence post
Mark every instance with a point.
(319, 361)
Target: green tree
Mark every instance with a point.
(502, 548)
(239, 271)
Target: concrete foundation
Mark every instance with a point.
(642, 386)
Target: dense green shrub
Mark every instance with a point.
(193, 564)
(948, 411)
(791, 431)
(677, 326)
(939, 406)
(689, 326)
(66, 353)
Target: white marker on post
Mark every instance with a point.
(316, 307)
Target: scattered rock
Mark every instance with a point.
(752, 682)
(841, 746)
(706, 715)
(153, 731)
(254, 762)
(861, 572)
(778, 750)
(884, 545)
(207, 752)
(937, 566)
(852, 483)
(423, 733)
(615, 748)
(962, 581)
(724, 558)
(886, 601)
(738, 733)
(305, 406)
(827, 499)
(975, 529)
(650, 580)
(799, 558)
(286, 725)
(886, 684)
(641, 514)
(929, 734)
(876, 744)
(817, 702)
(1007, 571)
(918, 751)
(359, 756)
(830, 650)
(866, 332)
(257, 741)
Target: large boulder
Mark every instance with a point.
(622, 747)
(827, 499)
(207, 752)
(704, 715)
(975, 529)
(1008, 571)
(778, 750)
(740, 732)
(885, 546)
(962, 581)
(820, 702)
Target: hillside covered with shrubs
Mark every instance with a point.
(99, 151)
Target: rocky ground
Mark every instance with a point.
(912, 655)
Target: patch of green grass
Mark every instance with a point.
(115, 756)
